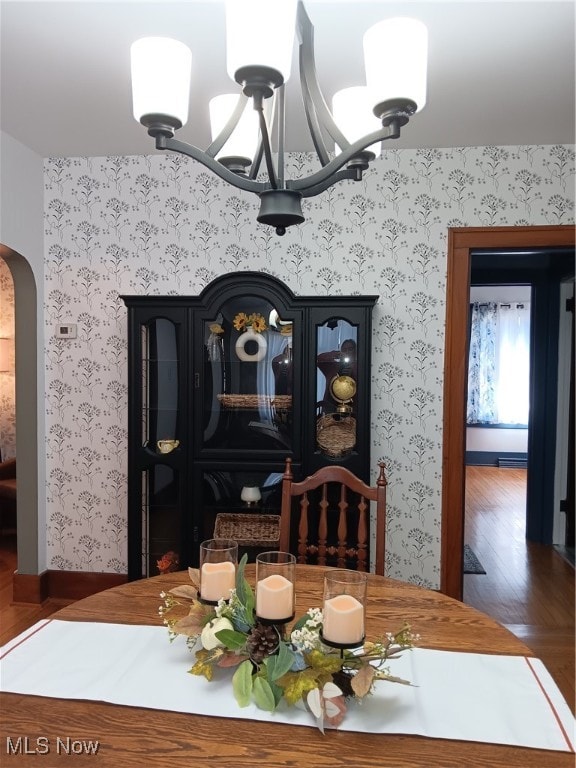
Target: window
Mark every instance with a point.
(499, 363)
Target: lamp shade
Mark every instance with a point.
(250, 494)
(244, 138)
(160, 77)
(352, 112)
(260, 33)
(395, 56)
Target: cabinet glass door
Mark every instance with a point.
(160, 403)
(160, 520)
(247, 378)
(336, 387)
(160, 396)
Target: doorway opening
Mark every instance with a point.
(497, 424)
(462, 243)
(7, 417)
(30, 511)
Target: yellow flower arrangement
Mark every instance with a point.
(242, 322)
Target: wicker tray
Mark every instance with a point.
(248, 530)
(280, 402)
(336, 436)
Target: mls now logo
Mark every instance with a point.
(24, 745)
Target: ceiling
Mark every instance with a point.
(499, 72)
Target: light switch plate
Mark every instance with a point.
(66, 331)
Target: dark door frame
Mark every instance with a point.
(461, 243)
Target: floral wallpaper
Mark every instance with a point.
(7, 389)
(165, 225)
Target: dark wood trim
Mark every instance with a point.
(76, 585)
(29, 588)
(461, 241)
(62, 585)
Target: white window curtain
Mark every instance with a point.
(499, 363)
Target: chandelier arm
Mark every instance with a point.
(355, 174)
(281, 126)
(269, 107)
(391, 131)
(229, 128)
(255, 167)
(316, 109)
(240, 182)
(264, 132)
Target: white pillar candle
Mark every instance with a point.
(216, 580)
(343, 620)
(274, 598)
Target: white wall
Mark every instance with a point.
(505, 294)
(493, 440)
(22, 203)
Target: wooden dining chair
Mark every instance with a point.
(333, 521)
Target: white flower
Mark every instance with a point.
(208, 636)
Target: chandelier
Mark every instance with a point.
(260, 36)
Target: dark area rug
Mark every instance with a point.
(471, 562)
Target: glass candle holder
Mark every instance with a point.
(344, 611)
(275, 575)
(218, 560)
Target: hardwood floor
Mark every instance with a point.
(16, 617)
(529, 588)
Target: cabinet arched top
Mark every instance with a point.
(227, 286)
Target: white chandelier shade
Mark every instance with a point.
(395, 57)
(352, 111)
(260, 33)
(244, 139)
(161, 69)
(260, 37)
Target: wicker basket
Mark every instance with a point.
(248, 530)
(336, 435)
(279, 402)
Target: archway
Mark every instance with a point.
(27, 432)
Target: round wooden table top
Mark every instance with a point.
(143, 738)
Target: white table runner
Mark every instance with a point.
(464, 696)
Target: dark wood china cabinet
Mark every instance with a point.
(224, 386)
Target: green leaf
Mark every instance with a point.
(264, 695)
(301, 621)
(231, 639)
(244, 590)
(242, 683)
(281, 663)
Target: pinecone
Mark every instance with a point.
(262, 642)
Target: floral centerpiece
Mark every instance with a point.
(242, 322)
(272, 665)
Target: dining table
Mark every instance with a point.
(40, 730)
